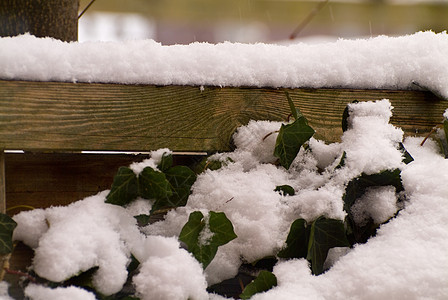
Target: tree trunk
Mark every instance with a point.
(42, 18)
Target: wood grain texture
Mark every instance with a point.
(71, 117)
(2, 182)
(42, 18)
(41, 180)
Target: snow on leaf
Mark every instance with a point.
(407, 157)
(7, 226)
(357, 187)
(219, 225)
(124, 187)
(324, 235)
(264, 282)
(342, 161)
(345, 116)
(297, 241)
(165, 162)
(289, 140)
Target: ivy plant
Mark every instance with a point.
(292, 136)
(169, 186)
(264, 282)
(7, 226)
(203, 235)
(313, 241)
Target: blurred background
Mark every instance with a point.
(270, 21)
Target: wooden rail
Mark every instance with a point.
(49, 116)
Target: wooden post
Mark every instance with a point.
(2, 182)
(42, 18)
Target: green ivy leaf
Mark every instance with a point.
(124, 187)
(83, 280)
(294, 111)
(285, 190)
(142, 220)
(133, 265)
(407, 158)
(345, 116)
(166, 162)
(445, 128)
(7, 226)
(289, 140)
(297, 241)
(180, 180)
(153, 184)
(264, 282)
(445, 143)
(342, 161)
(324, 235)
(220, 227)
(190, 233)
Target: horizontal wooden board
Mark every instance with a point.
(81, 116)
(41, 180)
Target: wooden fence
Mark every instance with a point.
(53, 122)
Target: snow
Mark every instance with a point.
(78, 237)
(153, 161)
(244, 189)
(38, 292)
(4, 291)
(380, 62)
(168, 272)
(378, 203)
(406, 260)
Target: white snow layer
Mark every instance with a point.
(406, 260)
(38, 292)
(4, 291)
(380, 62)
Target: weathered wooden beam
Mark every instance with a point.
(42, 18)
(2, 182)
(59, 116)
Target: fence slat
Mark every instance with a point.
(2, 182)
(81, 116)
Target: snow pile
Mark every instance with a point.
(38, 292)
(244, 189)
(4, 291)
(406, 259)
(78, 237)
(168, 272)
(91, 233)
(381, 62)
